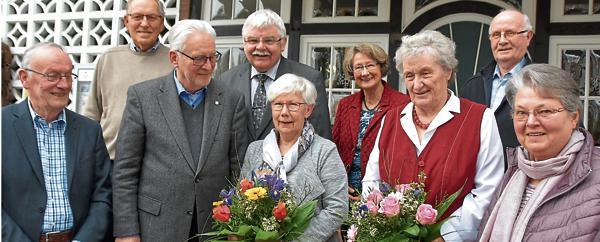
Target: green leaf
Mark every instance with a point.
(397, 237)
(243, 230)
(267, 236)
(443, 206)
(299, 220)
(434, 230)
(413, 230)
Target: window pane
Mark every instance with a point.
(339, 78)
(368, 8)
(592, 123)
(596, 7)
(335, 100)
(223, 64)
(345, 8)
(243, 8)
(595, 73)
(576, 7)
(321, 61)
(322, 8)
(221, 9)
(573, 61)
(422, 3)
(238, 57)
(274, 5)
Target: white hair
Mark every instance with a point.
(183, 28)
(428, 42)
(290, 83)
(263, 18)
(161, 7)
(30, 52)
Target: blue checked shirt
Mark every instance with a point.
(51, 146)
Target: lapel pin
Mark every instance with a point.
(217, 103)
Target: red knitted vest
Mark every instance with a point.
(449, 159)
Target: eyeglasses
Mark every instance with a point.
(54, 76)
(266, 41)
(200, 60)
(293, 107)
(539, 114)
(149, 17)
(360, 69)
(507, 34)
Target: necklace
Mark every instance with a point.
(417, 121)
(367, 107)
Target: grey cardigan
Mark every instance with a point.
(571, 210)
(319, 174)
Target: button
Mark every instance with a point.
(421, 163)
(197, 180)
(189, 213)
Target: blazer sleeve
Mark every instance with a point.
(239, 138)
(97, 223)
(320, 116)
(334, 200)
(11, 231)
(129, 155)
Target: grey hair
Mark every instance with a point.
(161, 7)
(428, 42)
(263, 18)
(180, 32)
(547, 80)
(290, 83)
(526, 20)
(30, 52)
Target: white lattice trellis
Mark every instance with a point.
(86, 28)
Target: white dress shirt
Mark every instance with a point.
(463, 224)
(272, 73)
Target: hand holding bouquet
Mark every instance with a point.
(260, 210)
(397, 213)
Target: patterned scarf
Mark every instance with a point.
(273, 160)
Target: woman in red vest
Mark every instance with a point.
(359, 115)
(453, 140)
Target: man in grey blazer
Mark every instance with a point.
(181, 140)
(264, 41)
(55, 166)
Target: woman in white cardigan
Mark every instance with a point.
(309, 163)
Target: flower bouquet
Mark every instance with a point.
(260, 210)
(397, 213)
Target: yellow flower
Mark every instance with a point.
(255, 193)
(217, 203)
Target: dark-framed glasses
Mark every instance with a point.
(140, 17)
(293, 107)
(361, 68)
(544, 113)
(200, 60)
(54, 76)
(507, 34)
(266, 40)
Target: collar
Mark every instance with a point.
(61, 115)
(445, 114)
(272, 73)
(513, 71)
(136, 49)
(180, 87)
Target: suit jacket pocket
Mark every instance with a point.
(149, 205)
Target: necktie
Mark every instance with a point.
(260, 100)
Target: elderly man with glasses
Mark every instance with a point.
(144, 58)
(510, 33)
(264, 42)
(55, 167)
(182, 140)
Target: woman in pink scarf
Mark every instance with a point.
(551, 190)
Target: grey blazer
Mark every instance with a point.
(23, 187)
(319, 174)
(239, 78)
(155, 184)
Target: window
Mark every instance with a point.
(232, 12)
(580, 55)
(575, 11)
(338, 11)
(326, 54)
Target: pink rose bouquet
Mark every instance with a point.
(397, 213)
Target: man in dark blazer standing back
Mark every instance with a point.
(510, 33)
(55, 166)
(264, 40)
(181, 141)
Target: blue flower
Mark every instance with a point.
(227, 194)
(275, 195)
(384, 187)
(416, 192)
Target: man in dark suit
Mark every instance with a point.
(182, 138)
(55, 166)
(264, 41)
(510, 33)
